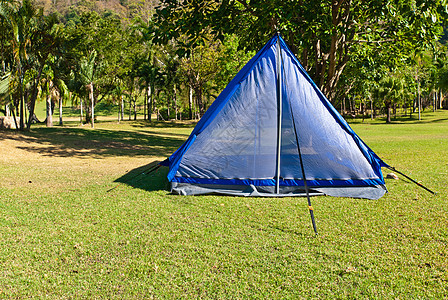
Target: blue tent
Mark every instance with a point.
(271, 132)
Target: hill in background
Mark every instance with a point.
(126, 9)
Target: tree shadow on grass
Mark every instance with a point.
(98, 143)
(163, 124)
(143, 178)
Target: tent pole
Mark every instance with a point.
(305, 183)
(279, 116)
(307, 191)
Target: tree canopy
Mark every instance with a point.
(325, 35)
(172, 58)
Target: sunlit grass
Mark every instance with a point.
(66, 234)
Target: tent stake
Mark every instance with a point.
(310, 207)
(312, 214)
(407, 177)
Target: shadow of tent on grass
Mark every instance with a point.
(142, 178)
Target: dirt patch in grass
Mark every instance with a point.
(56, 159)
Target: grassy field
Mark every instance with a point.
(65, 234)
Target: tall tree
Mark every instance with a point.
(200, 68)
(102, 35)
(20, 18)
(324, 34)
(390, 90)
(171, 63)
(31, 38)
(88, 76)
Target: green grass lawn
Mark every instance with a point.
(63, 234)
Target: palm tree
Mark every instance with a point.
(63, 93)
(46, 43)
(55, 89)
(30, 40)
(48, 86)
(13, 18)
(442, 78)
(60, 75)
(119, 93)
(23, 23)
(87, 74)
(150, 77)
(172, 79)
(390, 90)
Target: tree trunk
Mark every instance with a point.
(22, 125)
(154, 108)
(419, 100)
(81, 112)
(434, 101)
(198, 94)
(387, 104)
(15, 118)
(25, 117)
(175, 103)
(119, 111)
(49, 112)
(21, 114)
(60, 111)
(92, 101)
(122, 108)
(168, 105)
(148, 103)
(135, 108)
(190, 105)
(145, 100)
(49, 106)
(130, 107)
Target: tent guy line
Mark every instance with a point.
(412, 180)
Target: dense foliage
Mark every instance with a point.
(172, 60)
